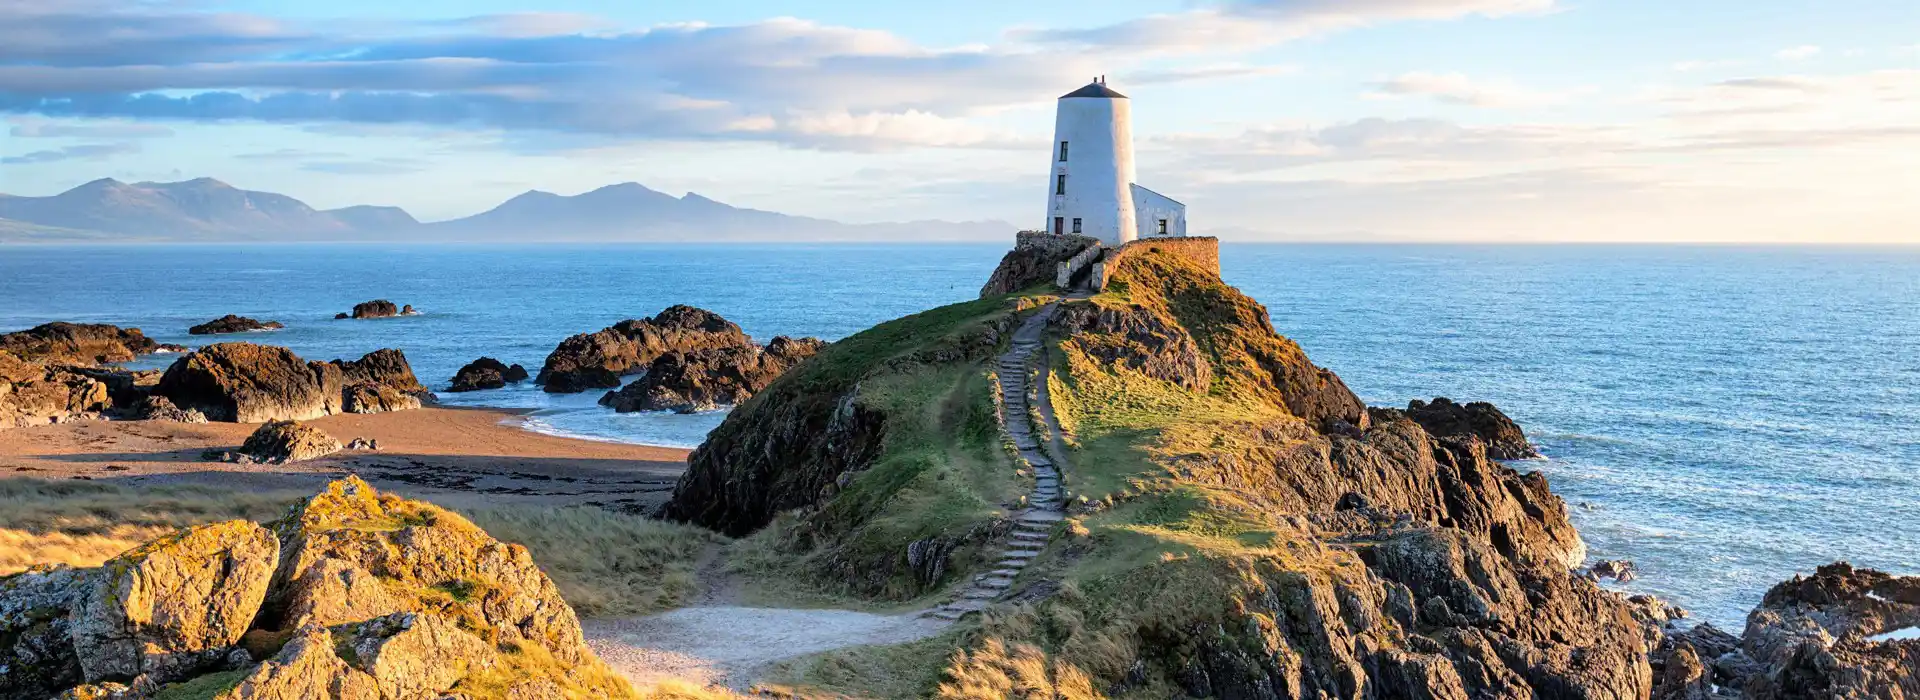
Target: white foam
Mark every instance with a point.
(1903, 633)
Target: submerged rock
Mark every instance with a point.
(486, 373)
(708, 379)
(280, 442)
(598, 360)
(233, 324)
(1478, 420)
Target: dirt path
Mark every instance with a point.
(733, 645)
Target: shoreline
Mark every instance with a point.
(470, 455)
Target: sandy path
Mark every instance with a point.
(733, 645)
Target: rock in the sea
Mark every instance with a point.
(408, 310)
(341, 316)
(486, 373)
(598, 360)
(1617, 569)
(708, 379)
(1479, 420)
(248, 383)
(174, 606)
(279, 442)
(378, 308)
(1814, 636)
(234, 324)
(84, 344)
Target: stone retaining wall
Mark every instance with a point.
(1203, 251)
(1035, 259)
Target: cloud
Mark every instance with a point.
(1455, 88)
(1691, 66)
(783, 80)
(92, 151)
(1797, 53)
(376, 166)
(53, 130)
(1243, 23)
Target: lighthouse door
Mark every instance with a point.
(1059, 225)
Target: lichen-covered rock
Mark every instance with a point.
(83, 344)
(417, 656)
(161, 408)
(378, 308)
(234, 324)
(708, 379)
(248, 383)
(598, 360)
(37, 656)
(307, 668)
(333, 592)
(486, 373)
(1478, 420)
(280, 442)
(417, 546)
(175, 605)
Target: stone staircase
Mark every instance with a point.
(1033, 525)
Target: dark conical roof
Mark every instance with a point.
(1095, 90)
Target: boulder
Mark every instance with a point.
(707, 379)
(161, 408)
(486, 373)
(341, 316)
(378, 308)
(279, 442)
(78, 344)
(307, 667)
(408, 310)
(233, 324)
(1478, 420)
(34, 394)
(248, 383)
(37, 657)
(173, 606)
(600, 359)
(414, 656)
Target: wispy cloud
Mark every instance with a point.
(1265, 22)
(55, 130)
(1797, 53)
(1455, 88)
(91, 151)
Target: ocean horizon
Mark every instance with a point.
(1723, 415)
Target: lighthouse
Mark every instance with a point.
(1091, 188)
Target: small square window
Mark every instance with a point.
(1076, 224)
(1163, 227)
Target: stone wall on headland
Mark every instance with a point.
(1202, 251)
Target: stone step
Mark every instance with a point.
(1038, 539)
(1041, 516)
(999, 583)
(1019, 549)
(1006, 572)
(982, 594)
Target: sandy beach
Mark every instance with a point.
(449, 455)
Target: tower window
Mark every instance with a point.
(1063, 151)
(1163, 227)
(1059, 184)
(1076, 224)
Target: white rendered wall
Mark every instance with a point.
(1099, 168)
(1150, 207)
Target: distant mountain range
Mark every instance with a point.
(208, 210)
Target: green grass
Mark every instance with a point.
(910, 670)
(205, 687)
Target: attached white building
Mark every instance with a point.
(1091, 190)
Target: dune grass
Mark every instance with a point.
(605, 563)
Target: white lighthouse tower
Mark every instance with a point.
(1091, 190)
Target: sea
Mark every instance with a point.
(1725, 417)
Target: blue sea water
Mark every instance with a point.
(1723, 416)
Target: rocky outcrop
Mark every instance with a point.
(37, 394)
(247, 383)
(706, 380)
(83, 344)
(1821, 636)
(378, 308)
(282, 441)
(234, 324)
(1034, 260)
(175, 606)
(1477, 420)
(377, 597)
(598, 360)
(160, 408)
(486, 373)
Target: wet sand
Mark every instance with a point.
(450, 455)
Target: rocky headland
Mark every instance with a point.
(1233, 521)
(234, 324)
(486, 373)
(248, 383)
(354, 594)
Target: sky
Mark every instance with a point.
(1323, 120)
